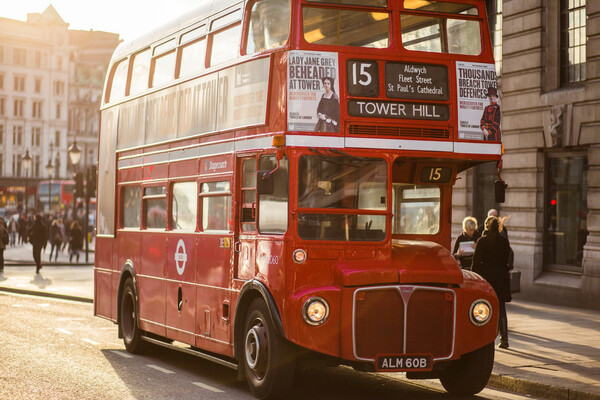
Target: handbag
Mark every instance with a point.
(515, 281)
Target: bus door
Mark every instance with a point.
(182, 262)
(151, 275)
(245, 239)
(214, 254)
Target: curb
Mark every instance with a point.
(517, 385)
(47, 294)
(8, 263)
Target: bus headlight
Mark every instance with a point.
(315, 311)
(481, 312)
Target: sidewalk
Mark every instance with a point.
(22, 254)
(554, 351)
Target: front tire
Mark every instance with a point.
(132, 335)
(470, 373)
(267, 357)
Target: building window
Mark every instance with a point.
(18, 109)
(17, 135)
(36, 134)
(57, 138)
(58, 110)
(36, 109)
(19, 83)
(38, 85)
(20, 56)
(16, 164)
(59, 88)
(573, 41)
(1, 134)
(59, 63)
(1, 81)
(1, 163)
(2, 106)
(36, 166)
(566, 211)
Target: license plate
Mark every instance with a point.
(415, 362)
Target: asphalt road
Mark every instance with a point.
(56, 349)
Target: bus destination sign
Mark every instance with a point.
(416, 81)
(394, 109)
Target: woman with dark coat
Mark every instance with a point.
(490, 260)
(38, 236)
(76, 242)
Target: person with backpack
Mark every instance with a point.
(38, 236)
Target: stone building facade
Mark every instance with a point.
(548, 62)
(51, 80)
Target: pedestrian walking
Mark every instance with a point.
(12, 229)
(38, 236)
(494, 213)
(23, 229)
(490, 260)
(465, 243)
(76, 242)
(4, 240)
(55, 240)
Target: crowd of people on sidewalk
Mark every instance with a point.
(486, 250)
(59, 231)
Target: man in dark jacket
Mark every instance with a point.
(38, 236)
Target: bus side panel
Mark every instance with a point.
(152, 285)
(181, 291)
(102, 278)
(214, 274)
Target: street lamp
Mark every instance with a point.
(49, 169)
(74, 153)
(75, 156)
(26, 167)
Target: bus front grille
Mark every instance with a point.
(403, 320)
(398, 131)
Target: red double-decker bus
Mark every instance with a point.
(275, 183)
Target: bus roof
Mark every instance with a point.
(205, 9)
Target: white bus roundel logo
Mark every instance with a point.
(180, 257)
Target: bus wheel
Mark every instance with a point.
(267, 358)
(132, 336)
(470, 374)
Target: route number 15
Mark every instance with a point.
(363, 78)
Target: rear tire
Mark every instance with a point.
(470, 373)
(132, 335)
(267, 357)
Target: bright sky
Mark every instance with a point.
(129, 18)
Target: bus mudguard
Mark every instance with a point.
(127, 271)
(250, 290)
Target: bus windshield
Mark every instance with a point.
(342, 183)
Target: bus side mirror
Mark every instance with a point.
(500, 189)
(265, 184)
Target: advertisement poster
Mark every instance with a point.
(313, 87)
(479, 110)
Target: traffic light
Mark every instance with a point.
(78, 185)
(91, 181)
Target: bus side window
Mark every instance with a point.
(140, 72)
(131, 204)
(118, 81)
(184, 207)
(273, 208)
(225, 44)
(163, 63)
(155, 207)
(192, 51)
(269, 25)
(216, 206)
(248, 193)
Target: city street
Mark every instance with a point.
(56, 349)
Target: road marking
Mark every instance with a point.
(44, 305)
(66, 332)
(18, 305)
(90, 341)
(156, 367)
(121, 353)
(208, 387)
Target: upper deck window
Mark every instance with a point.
(441, 35)
(225, 44)
(140, 72)
(346, 27)
(118, 81)
(269, 26)
(441, 7)
(193, 53)
(365, 3)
